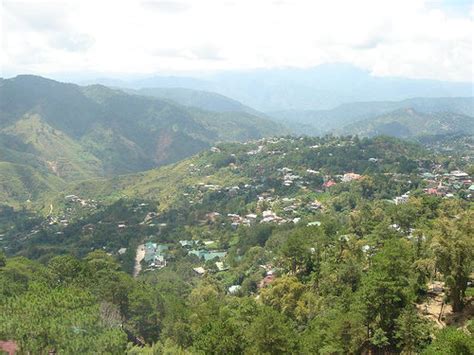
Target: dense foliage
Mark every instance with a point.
(352, 273)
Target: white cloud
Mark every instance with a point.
(415, 38)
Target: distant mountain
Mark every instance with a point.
(318, 122)
(72, 132)
(318, 88)
(409, 123)
(205, 100)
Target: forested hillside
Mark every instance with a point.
(76, 133)
(346, 117)
(284, 245)
(205, 100)
(321, 87)
(409, 123)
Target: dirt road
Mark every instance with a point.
(138, 259)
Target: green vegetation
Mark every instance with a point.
(20, 184)
(409, 123)
(300, 266)
(204, 100)
(77, 133)
(407, 118)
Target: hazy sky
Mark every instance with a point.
(413, 38)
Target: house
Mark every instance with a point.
(9, 347)
(433, 191)
(315, 205)
(267, 280)
(329, 184)
(348, 177)
(154, 255)
(458, 174)
(122, 251)
(267, 213)
(159, 261)
(208, 255)
(212, 216)
(234, 289)
(399, 200)
(220, 266)
(186, 243)
(199, 270)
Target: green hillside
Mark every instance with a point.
(205, 100)
(320, 122)
(78, 133)
(20, 184)
(321, 243)
(409, 123)
(64, 156)
(316, 236)
(232, 164)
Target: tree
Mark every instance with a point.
(66, 319)
(384, 292)
(297, 254)
(453, 246)
(271, 333)
(451, 341)
(3, 259)
(145, 311)
(220, 336)
(205, 301)
(64, 269)
(412, 331)
(334, 330)
(286, 296)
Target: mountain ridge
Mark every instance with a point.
(78, 133)
(321, 87)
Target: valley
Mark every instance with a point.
(191, 230)
(273, 177)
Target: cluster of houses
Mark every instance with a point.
(200, 250)
(155, 255)
(83, 202)
(237, 220)
(448, 184)
(288, 177)
(289, 206)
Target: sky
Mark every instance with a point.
(405, 38)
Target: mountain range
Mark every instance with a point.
(54, 133)
(204, 100)
(318, 88)
(67, 132)
(342, 119)
(409, 123)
